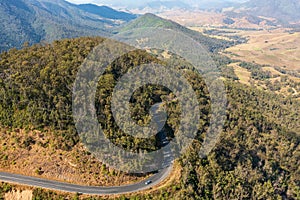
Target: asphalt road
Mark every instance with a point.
(92, 190)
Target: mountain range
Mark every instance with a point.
(33, 21)
(270, 12)
(169, 4)
(283, 12)
(286, 10)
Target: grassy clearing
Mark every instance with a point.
(202, 30)
(243, 74)
(278, 82)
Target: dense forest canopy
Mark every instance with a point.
(258, 153)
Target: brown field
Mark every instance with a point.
(195, 18)
(209, 19)
(245, 77)
(271, 49)
(243, 74)
(202, 29)
(274, 48)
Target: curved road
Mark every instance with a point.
(91, 190)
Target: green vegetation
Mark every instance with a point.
(256, 70)
(41, 96)
(275, 79)
(41, 20)
(4, 188)
(153, 21)
(236, 38)
(257, 156)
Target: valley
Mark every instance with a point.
(277, 47)
(275, 52)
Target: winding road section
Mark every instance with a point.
(91, 190)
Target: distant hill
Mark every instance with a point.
(165, 5)
(170, 4)
(37, 20)
(129, 4)
(151, 20)
(215, 5)
(34, 21)
(285, 12)
(106, 12)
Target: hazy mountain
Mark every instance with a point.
(216, 5)
(106, 12)
(190, 4)
(284, 11)
(35, 20)
(165, 5)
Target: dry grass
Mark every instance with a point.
(243, 74)
(202, 29)
(273, 71)
(210, 19)
(194, 18)
(245, 78)
(19, 195)
(74, 166)
(173, 179)
(274, 48)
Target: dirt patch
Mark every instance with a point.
(19, 195)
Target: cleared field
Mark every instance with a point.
(243, 74)
(202, 30)
(210, 19)
(274, 48)
(194, 18)
(278, 82)
(273, 71)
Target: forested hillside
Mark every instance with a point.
(152, 21)
(257, 156)
(34, 21)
